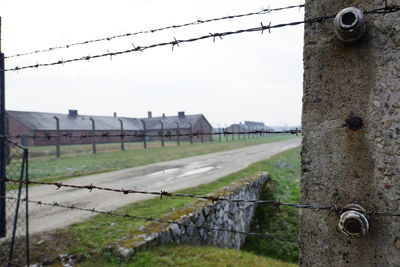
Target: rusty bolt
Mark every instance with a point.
(350, 24)
(354, 123)
(353, 221)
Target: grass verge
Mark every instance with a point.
(283, 222)
(90, 238)
(173, 255)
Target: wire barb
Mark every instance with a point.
(175, 43)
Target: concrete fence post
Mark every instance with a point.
(57, 136)
(144, 134)
(93, 135)
(122, 134)
(219, 132)
(162, 133)
(178, 143)
(351, 135)
(191, 133)
(201, 133)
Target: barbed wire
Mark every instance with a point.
(142, 135)
(150, 219)
(276, 203)
(91, 187)
(13, 142)
(197, 22)
(173, 43)
(176, 42)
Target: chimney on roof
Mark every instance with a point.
(115, 114)
(163, 115)
(181, 114)
(73, 113)
(149, 115)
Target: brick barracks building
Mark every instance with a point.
(77, 129)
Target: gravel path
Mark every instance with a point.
(168, 176)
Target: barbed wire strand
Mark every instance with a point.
(149, 219)
(197, 22)
(91, 187)
(176, 42)
(141, 135)
(275, 203)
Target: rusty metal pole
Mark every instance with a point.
(178, 143)
(57, 136)
(93, 135)
(122, 134)
(351, 135)
(162, 133)
(144, 134)
(2, 144)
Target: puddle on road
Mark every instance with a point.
(196, 171)
(164, 172)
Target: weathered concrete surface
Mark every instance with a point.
(218, 215)
(168, 176)
(340, 165)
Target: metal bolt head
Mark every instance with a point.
(350, 24)
(354, 123)
(354, 222)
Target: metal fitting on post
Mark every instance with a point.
(353, 221)
(350, 24)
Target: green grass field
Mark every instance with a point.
(183, 256)
(69, 150)
(71, 165)
(90, 239)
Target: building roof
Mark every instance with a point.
(170, 121)
(255, 125)
(46, 121)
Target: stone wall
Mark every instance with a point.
(221, 214)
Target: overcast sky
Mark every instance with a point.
(242, 77)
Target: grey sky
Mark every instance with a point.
(242, 77)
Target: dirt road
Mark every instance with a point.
(168, 176)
